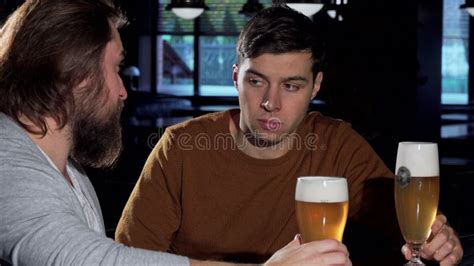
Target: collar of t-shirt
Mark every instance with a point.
(89, 212)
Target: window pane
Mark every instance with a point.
(455, 66)
(222, 18)
(217, 57)
(175, 64)
(218, 30)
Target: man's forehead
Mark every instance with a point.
(116, 34)
(299, 57)
(303, 53)
(116, 42)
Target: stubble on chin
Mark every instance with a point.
(259, 140)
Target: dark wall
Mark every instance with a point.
(371, 77)
(7, 7)
(130, 33)
(428, 96)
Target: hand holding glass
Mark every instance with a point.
(416, 193)
(321, 207)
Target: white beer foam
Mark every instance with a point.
(425, 164)
(321, 189)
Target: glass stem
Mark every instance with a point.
(415, 253)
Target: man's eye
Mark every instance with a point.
(291, 87)
(255, 82)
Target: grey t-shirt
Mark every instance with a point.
(41, 219)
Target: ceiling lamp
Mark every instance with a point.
(250, 8)
(187, 9)
(307, 7)
(469, 6)
(336, 8)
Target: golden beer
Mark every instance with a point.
(321, 220)
(417, 203)
(322, 204)
(416, 193)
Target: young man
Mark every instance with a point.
(60, 104)
(222, 186)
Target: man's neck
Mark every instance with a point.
(270, 152)
(56, 143)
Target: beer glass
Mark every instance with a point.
(321, 207)
(416, 193)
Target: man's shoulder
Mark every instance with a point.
(7, 126)
(11, 135)
(212, 123)
(21, 161)
(17, 150)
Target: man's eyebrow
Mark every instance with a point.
(255, 72)
(292, 78)
(296, 78)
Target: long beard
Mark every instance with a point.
(97, 142)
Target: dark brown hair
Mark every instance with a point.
(277, 30)
(48, 47)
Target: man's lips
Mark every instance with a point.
(271, 124)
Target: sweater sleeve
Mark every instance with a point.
(41, 225)
(152, 214)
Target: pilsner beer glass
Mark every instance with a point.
(321, 207)
(416, 193)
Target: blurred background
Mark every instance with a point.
(396, 70)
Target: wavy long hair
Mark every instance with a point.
(48, 47)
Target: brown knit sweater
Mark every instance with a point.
(200, 196)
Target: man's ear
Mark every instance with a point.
(235, 72)
(81, 87)
(317, 84)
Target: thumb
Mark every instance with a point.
(295, 242)
(406, 252)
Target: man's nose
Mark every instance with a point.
(271, 101)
